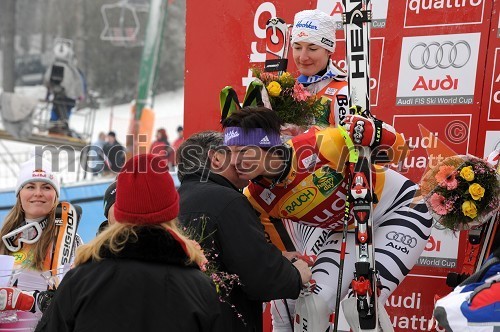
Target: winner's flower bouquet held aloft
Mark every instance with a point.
(293, 103)
(462, 192)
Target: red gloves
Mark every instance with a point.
(369, 132)
(12, 298)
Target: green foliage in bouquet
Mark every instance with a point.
(461, 192)
(293, 103)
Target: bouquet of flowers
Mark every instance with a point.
(461, 192)
(224, 281)
(293, 103)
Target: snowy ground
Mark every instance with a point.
(169, 112)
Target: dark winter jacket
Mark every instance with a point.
(146, 287)
(115, 154)
(233, 233)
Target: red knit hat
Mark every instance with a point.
(145, 191)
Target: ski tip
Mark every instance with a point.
(228, 102)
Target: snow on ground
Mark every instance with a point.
(169, 113)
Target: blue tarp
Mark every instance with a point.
(88, 196)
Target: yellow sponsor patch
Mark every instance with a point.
(298, 202)
(19, 257)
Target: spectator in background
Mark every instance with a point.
(161, 147)
(180, 138)
(141, 273)
(101, 140)
(109, 212)
(96, 157)
(114, 153)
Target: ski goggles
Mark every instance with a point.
(29, 234)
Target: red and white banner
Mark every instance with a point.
(435, 75)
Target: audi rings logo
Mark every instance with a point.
(443, 55)
(407, 240)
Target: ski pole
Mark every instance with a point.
(353, 159)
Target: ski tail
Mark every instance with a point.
(253, 96)
(277, 43)
(229, 102)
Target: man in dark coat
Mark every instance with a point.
(231, 233)
(114, 152)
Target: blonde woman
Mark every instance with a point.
(30, 234)
(140, 273)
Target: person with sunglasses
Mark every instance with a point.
(41, 242)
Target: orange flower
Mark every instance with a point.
(446, 177)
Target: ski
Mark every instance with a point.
(277, 44)
(66, 221)
(356, 20)
(229, 102)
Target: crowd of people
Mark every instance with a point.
(106, 156)
(251, 204)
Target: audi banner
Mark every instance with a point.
(489, 133)
(435, 75)
(438, 70)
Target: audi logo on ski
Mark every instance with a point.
(407, 240)
(299, 201)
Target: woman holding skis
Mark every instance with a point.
(38, 244)
(305, 182)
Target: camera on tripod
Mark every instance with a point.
(56, 77)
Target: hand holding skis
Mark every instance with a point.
(369, 132)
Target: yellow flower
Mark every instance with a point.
(467, 173)
(274, 89)
(469, 209)
(286, 76)
(476, 191)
